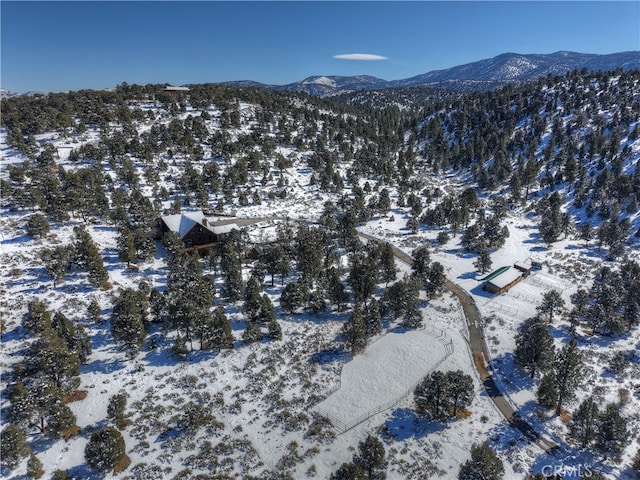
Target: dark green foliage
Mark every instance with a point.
(105, 448)
(37, 225)
(57, 261)
(354, 332)
(442, 394)
(117, 406)
(567, 372)
(13, 447)
(371, 457)
(535, 350)
(88, 257)
(613, 435)
(483, 262)
(252, 333)
(585, 421)
(294, 296)
(50, 357)
(402, 300)
(128, 319)
(484, 465)
(38, 317)
(552, 302)
(231, 267)
(189, 296)
(34, 467)
(61, 419)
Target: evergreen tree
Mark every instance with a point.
(13, 447)
(34, 467)
(431, 395)
(38, 318)
(50, 357)
(252, 333)
(116, 407)
(126, 246)
(387, 263)
(371, 457)
(94, 310)
(584, 422)
(568, 373)
(252, 298)
(294, 296)
(534, 346)
(483, 262)
(484, 464)
(231, 268)
(613, 435)
(37, 225)
(349, 471)
(57, 262)
(61, 419)
(222, 336)
(88, 257)
(546, 394)
(552, 302)
(354, 331)
(459, 390)
(128, 319)
(105, 449)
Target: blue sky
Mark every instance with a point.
(53, 46)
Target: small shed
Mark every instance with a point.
(504, 281)
(524, 267)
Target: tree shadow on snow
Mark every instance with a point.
(407, 423)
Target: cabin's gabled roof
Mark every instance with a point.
(182, 223)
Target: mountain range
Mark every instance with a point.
(507, 68)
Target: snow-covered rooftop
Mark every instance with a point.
(505, 278)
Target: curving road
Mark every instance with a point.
(480, 355)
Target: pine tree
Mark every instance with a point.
(57, 262)
(61, 419)
(584, 422)
(222, 336)
(252, 333)
(534, 346)
(34, 467)
(354, 331)
(431, 395)
(127, 319)
(294, 296)
(568, 373)
(349, 471)
(371, 457)
(106, 447)
(387, 263)
(484, 465)
(552, 302)
(116, 407)
(231, 268)
(459, 390)
(94, 310)
(38, 317)
(613, 435)
(50, 357)
(179, 347)
(483, 262)
(13, 447)
(37, 225)
(252, 298)
(546, 394)
(126, 246)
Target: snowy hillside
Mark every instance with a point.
(294, 395)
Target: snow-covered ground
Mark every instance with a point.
(263, 399)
